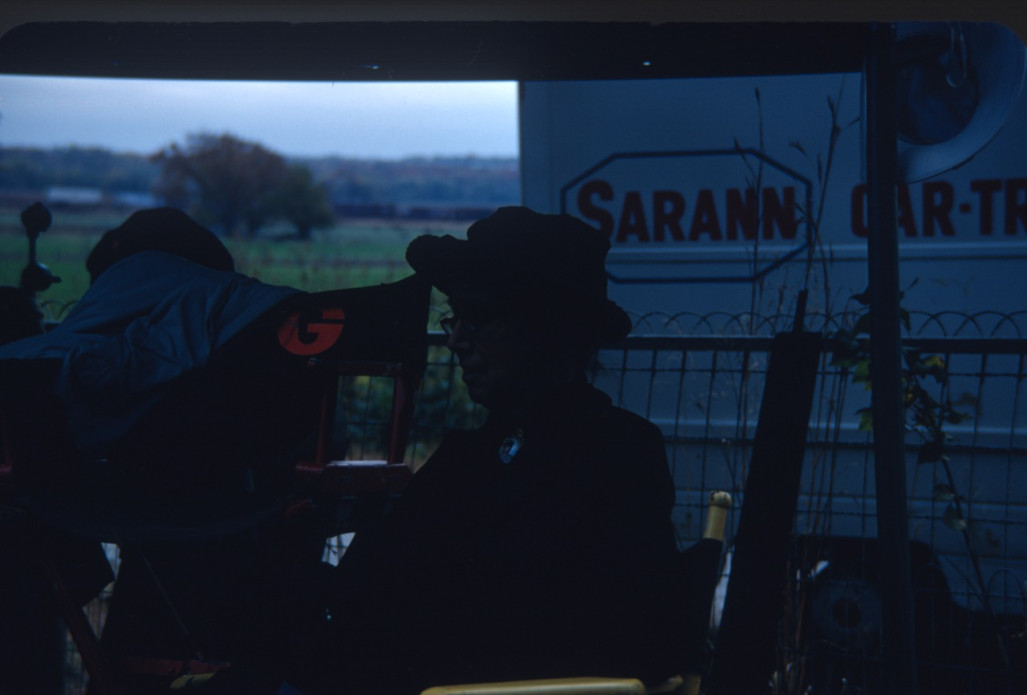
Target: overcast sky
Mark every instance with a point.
(354, 119)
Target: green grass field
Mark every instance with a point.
(351, 254)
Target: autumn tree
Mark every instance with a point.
(304, 203)
(228, 183)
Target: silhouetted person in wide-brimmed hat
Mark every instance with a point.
(541, 543)
(539, 280)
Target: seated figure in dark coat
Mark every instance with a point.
(167, 420)
(541, 544)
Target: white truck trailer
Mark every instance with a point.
(723, 197)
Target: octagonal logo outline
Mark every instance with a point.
(808, 238)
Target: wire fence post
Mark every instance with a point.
(899, 646)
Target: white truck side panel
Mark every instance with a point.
(661, 143)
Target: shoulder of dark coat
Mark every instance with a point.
(621, 423)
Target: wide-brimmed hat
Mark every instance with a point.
(159, 229)
(519, 254)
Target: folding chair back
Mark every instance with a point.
(370, 331)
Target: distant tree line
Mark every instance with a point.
(238, 187)
(86, 167)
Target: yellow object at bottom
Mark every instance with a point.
(190, 680)
(549, 686)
